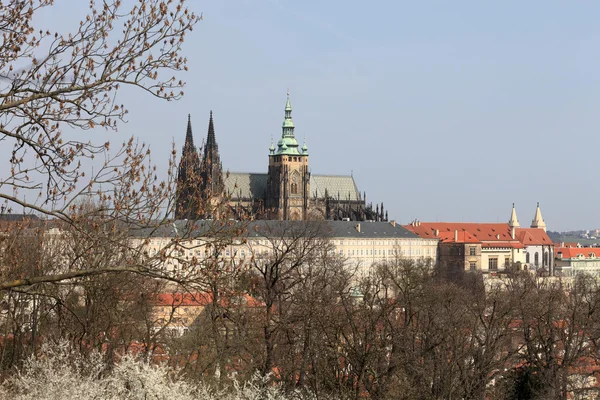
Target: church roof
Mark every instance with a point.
(244, 185)
(342, 185)
(533, 236)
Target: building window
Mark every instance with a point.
(506, 262)
(472, 265)
(493, 263)
(546, 259)
(527, 258)
(536, 257)
(294, 188)
(472, 251)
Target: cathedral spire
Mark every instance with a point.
(211, 141)
(538, 221)
(186, 206)
(211, 184)
(189, 138)
(514, 221)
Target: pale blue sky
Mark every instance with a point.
(443, 110)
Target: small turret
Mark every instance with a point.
(272, 147)
(305, 149)
(538, 221)
(514, 221)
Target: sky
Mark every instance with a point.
(443, 111)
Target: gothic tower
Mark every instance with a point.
(187, 201)
(211, 169)
(288, 177)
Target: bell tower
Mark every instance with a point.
(288, 177)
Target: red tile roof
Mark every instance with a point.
(481, 231)
(490, 235)
(533, 236)
(573, 252)
(463, 237)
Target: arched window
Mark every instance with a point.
(537, 259)
(527, 258)
(545, 259)
(294, 188)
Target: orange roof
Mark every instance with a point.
(533, 236)
(480, 231)
(490, 235)
(573, 252)
(463, 237)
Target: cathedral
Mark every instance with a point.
(288, 191)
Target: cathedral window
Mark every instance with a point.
(537, 259)
(294, 188)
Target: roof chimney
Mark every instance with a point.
(436, 232)
(456, 235)
(358, 227)
(393, 222)
(497, 236)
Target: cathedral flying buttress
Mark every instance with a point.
(288, 191)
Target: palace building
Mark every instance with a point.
(288, 191)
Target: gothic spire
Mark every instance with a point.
(211, 141)
(538, 221)
(211, 171)
(189, 138)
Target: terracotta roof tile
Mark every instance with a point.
(574, 252)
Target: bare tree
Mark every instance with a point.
(277, 269)
(72, 80)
